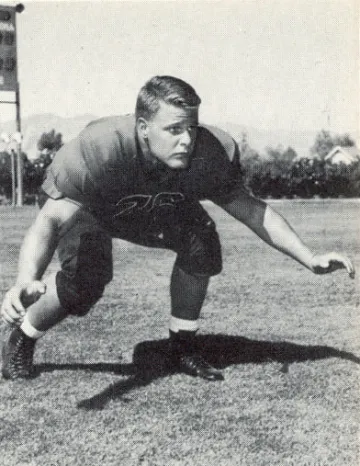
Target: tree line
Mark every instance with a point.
(278, 173)
(33, 170)
(281, 174)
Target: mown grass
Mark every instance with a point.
(288, 342)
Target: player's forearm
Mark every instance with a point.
(280, 235)
(270, 226)
(36, 251)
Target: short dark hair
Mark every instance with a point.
(166, 89)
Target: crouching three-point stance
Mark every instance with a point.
(140, 178)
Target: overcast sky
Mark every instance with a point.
(289, 64)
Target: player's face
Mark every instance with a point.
(171, 135)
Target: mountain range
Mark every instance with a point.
(33, 126)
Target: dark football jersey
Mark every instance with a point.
(104, 170)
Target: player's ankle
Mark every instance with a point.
(183, 337)
(183, 325)
(29, 330)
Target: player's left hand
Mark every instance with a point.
(327, 263)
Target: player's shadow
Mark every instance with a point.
(151, 361)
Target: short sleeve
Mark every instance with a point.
(68, 176)
(224, 158)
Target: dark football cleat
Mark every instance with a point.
(196, 366)
(186, 358)
(17, 356)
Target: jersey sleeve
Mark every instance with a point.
(225, 157)
(68, 175)
(233, 184)
(80, 168)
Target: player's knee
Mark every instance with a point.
(201, 252)
(78, 297)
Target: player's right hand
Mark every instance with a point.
(18, 298)
(327, 263)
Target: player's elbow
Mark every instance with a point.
(44, 232)
(250, 211)
(45, 223)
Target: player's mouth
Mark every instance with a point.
(180, 159)
(181, 155)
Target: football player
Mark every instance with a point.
(140, 178)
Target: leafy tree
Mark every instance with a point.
(247, 152)
(354, 180)
(250, 160)
(32, 178)
(281, 159)
(344, 140)
(289, 155)
(5, 174)
(324, 142)
(29, 176)
(50, 142)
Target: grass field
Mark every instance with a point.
(287, 340)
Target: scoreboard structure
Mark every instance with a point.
(8, 48)
(9, 83)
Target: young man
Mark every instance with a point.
(139, 178)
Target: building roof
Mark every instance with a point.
(347, 155)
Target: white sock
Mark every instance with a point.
(29, 330)
(181, 324)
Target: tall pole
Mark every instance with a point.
(13, 178)
(18, 150)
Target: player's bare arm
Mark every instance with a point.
(270, 226)
(35, 254)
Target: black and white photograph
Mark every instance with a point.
(179, 233)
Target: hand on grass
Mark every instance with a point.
(327, 263)
(18, 298)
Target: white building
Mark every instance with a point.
(345, 155)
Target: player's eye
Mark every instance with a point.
(175, 130)
(180, 129)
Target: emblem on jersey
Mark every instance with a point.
(146, 202)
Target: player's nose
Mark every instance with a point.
(185, 138)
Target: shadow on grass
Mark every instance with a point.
(151, 360)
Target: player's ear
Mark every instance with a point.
(142, 127)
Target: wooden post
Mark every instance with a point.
(18, 147)
(13, 178)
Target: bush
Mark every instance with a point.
(305, 178)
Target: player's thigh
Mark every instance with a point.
(196, 242)
(85, 255)
(85, 248)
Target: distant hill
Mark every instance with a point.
(35, 125)
(300, 141)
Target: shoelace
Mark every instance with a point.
(22, 357)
